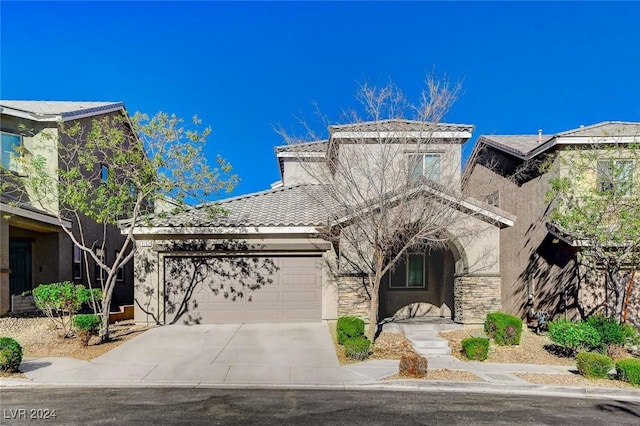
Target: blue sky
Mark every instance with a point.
(247, 67)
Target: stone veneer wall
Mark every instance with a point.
(475, 297)
(352, 298)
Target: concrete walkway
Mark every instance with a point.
(272, 355)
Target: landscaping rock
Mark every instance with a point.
(414, 366)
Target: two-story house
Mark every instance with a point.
(288, 225)
(540, 265)
(34, 249)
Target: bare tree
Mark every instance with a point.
(390, 181)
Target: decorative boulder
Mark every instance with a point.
(414, 366)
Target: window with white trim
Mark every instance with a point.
(8, 151)
(615, 175)
(411, 273)
(428, 165)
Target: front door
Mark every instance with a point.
(20, 265)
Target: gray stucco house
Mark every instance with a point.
(281, 228)
(539, 265)
(34, 249)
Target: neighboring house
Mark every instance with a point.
(540, 266)
(33, 247)
(283, 224)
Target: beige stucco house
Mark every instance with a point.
(33, 247)
(540, 265)
(267, 258)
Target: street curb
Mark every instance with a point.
(391, 385)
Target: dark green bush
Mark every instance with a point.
(629, 370)
(574, 336)
(88, 323)
(61, 300)
(611, 333)
(357, 348)
(503, 328)
(349, 327)
(476, 348)
(10, 355)
(591, 364)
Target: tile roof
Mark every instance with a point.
(55, 110)
(606, 128)
(518, 144)
(318, 146)
(395, 125)
(286, 206)
(532, 145)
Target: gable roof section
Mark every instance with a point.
(57, 110)
(526, 147)
(468, 205)
(287, 206)
(400, 125)
(316, 149)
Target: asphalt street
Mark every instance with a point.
(189, 406)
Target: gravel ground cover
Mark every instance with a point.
(38, 338)
(531, 350)
(573, 380)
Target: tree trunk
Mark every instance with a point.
(373, 310)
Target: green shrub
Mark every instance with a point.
(476, 348)
(10, 355)
(629, 370)
(357, 348)
(503, 328)
(574, 336)
(349, 327)
(89, 323)
(592, 364)
(62, 299)
(631, 335)
(611, 333)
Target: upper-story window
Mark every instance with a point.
(428, 165)
(615, 175)
(10, 143)
(104, 172)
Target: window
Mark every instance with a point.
(10, 143)
(615, 176)
(427, 165)
(104, 172)
(120, 274)
(99, 272)
(493, 199)
(77, 263)
(411, 273)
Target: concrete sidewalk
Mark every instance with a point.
(273, 355)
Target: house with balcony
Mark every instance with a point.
(539, 261)
(34, 248)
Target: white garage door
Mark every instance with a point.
(293, 295)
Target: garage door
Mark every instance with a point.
(291, 290)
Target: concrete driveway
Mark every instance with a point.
(275, 354)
